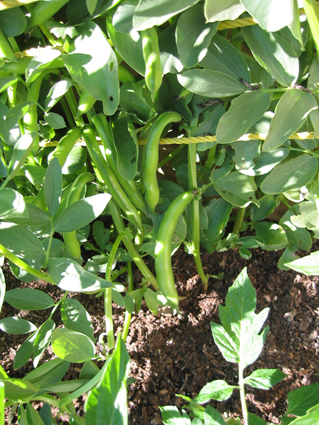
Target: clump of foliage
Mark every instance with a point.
(88, 91)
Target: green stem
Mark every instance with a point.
(47, 254)
(18, 262)
(211, 157)
(57, 304)
(171, 156)
(239, 220)
(128, 315)
(242, 393)
(312, 13)
(70, 98)
(67, 112)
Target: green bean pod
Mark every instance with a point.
(151, 157)
(66, 144)
(163, 264)
(70, 239)
(151, 54)
(86, 102)
(44, 10)
(124, 75)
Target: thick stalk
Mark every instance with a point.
(192, 185)
(211, 157)
(239, 220)
(128, 315)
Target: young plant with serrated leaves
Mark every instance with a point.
(240, 339)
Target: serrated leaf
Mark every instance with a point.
(302, 399)
(75, 317)
(238, 337)
(172, 416)
(222, 10)
(16, 325)
(264, 378)
(72, 346)
(28, 299)
(245, 110)
(213, 417)
(291, 111)
(216, 390)
(291, 175)
(108, 399)
(70, 276)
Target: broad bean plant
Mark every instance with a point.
(130, 128)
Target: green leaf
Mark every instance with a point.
(70, 276)
(264, 378)
(153, 300)
(76, 318)
(244, 111)
(213, 417)
(291, 111)
(65, 386)
(48, 373)
(75, 160)
(237, 189)
(172, 416)
(6, 82)
(255, 420)
(2, 400)
(12, 204)
(218, 212)
(20, 241)
(270, 15)
(132, 100)
(46, 414)
(308, 265)
(16, 325)
(223, 57)
(12, 22)
(238, 337)
(91, 5)
(16, 113)
(291, 175)
(20, 153)
(2, 288)
(54, 120)
(108, 399)
(193, 35)
(97, 73)
(207, 82)
(72, 346)
(36, 216)
(216, 390)
(222, 10)
(42, 340)
(267, 205)
(302, 399)
(309, 216)
(57, 91)
(246, 152)
(29, 299)
(148, 14)
(33, 416)
(266, 162)
(18, 389)
(40, 62)
(89, 370)
(273, 235)
(80, 213)
(24, 352)
(100, 233)
(53, 186)
(273, 53)
(298, 237)
(170, 61)
(311, 417)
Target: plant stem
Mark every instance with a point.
(20, 263)
(47, 254)
(128, 315)
(67, 112)
(310, 7)
(239, 220)
(242, 393)
(57, 305)
(171, 156)
(211, 157)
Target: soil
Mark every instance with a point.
(175, 354)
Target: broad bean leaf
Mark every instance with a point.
(42, 340)
(33, 416)
(291, 111)
(267, 205)
(246, 153)
(82, 212)
(20, 241)
(16, 325)
(18, 389)
(132, 100)
(89, 370)
(129, 48)
(272, 235)
(244, 111)
(216, 390)
(298, 237)
(266, 162)
(24, 352)
(12, 204)
(28, 299)
(75, 160)
(170, 60)
(291, 175)
(270, 15)
(273, 53)
(97, 73)
(57, 91)
(54, 120)
(20, 153)
(172, 416)
(16, 113)
(72, 346)
(237, 189)
(12, 22)
(238, 337)
(53, 186)
(210, 83)
(34, 173)
(222, 10)
(6, 82)
(309, 216)
(287, 256)
(70, 276)
(40, 62)
(48, 373)
(108, 399)
(75, 317)
(155, 12)
(264, 378)
(36, 217)
(46, 414)
(223, 57)
(91, 5)
(122, 19)
(218, 212)
(2, 288)
(193, 35)
(308, 265)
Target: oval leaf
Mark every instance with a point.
(16, 325)
(76, 318)
(29, 299)
(72, 346)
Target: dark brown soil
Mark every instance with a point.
(176, 354)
